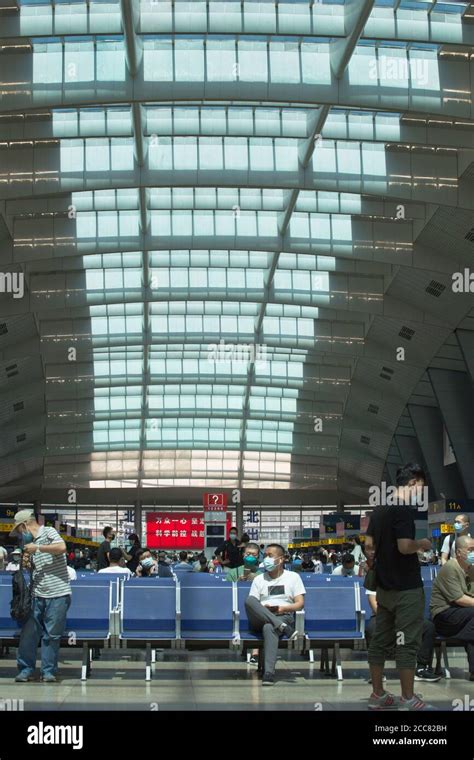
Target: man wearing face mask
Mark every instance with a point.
(452, 598)
(399, 592)
(51, 597)
(348, 566)
(103, 555)
(15, 560)
(249, 569)
(229, 552)
(461, 528)
(146, 565)
(273, 599)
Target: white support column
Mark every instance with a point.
(356, 13)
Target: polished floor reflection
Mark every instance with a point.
(216, 680)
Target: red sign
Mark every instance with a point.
(176, 530)
(214, 501)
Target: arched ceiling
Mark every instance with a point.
(230, 217)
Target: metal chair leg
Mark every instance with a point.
(444, 650)
(337, 662)
(85, 667)
(148, 662)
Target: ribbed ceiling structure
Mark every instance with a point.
(230, 217)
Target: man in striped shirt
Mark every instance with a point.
(51, 597)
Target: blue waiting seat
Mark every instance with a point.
(206, 604)
(101, 579)
(149, 615)
(88, 618)
(9, 629)
(333, 618)
(321, 579)
(426, 573)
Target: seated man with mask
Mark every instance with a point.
(146, 564)
(249, 569)
(348, 566)
(273, 599)
(246, 573)
(452, 598)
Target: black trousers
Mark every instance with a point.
(458, 622)
(425, 653)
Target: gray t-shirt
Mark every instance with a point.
(50, 576)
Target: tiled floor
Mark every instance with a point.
(215, 680)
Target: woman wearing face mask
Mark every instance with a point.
(461, 528)
(452, 598)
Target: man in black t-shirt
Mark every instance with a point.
(104, 548)
(229, 552)
(399, 591)
(131, 556)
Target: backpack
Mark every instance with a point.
(21, 603)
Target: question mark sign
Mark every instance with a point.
(215, 498)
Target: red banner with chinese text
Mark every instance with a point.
(177, 530)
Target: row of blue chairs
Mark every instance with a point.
(198, 611)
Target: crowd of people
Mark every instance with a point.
(389, 562)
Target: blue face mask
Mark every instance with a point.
(458, 526)
(147, 562)
(250, 560)
(269, 564)
(27, 537)
(470, 558)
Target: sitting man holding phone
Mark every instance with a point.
(273, 599)
(249, 569)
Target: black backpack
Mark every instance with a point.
(21, 603)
